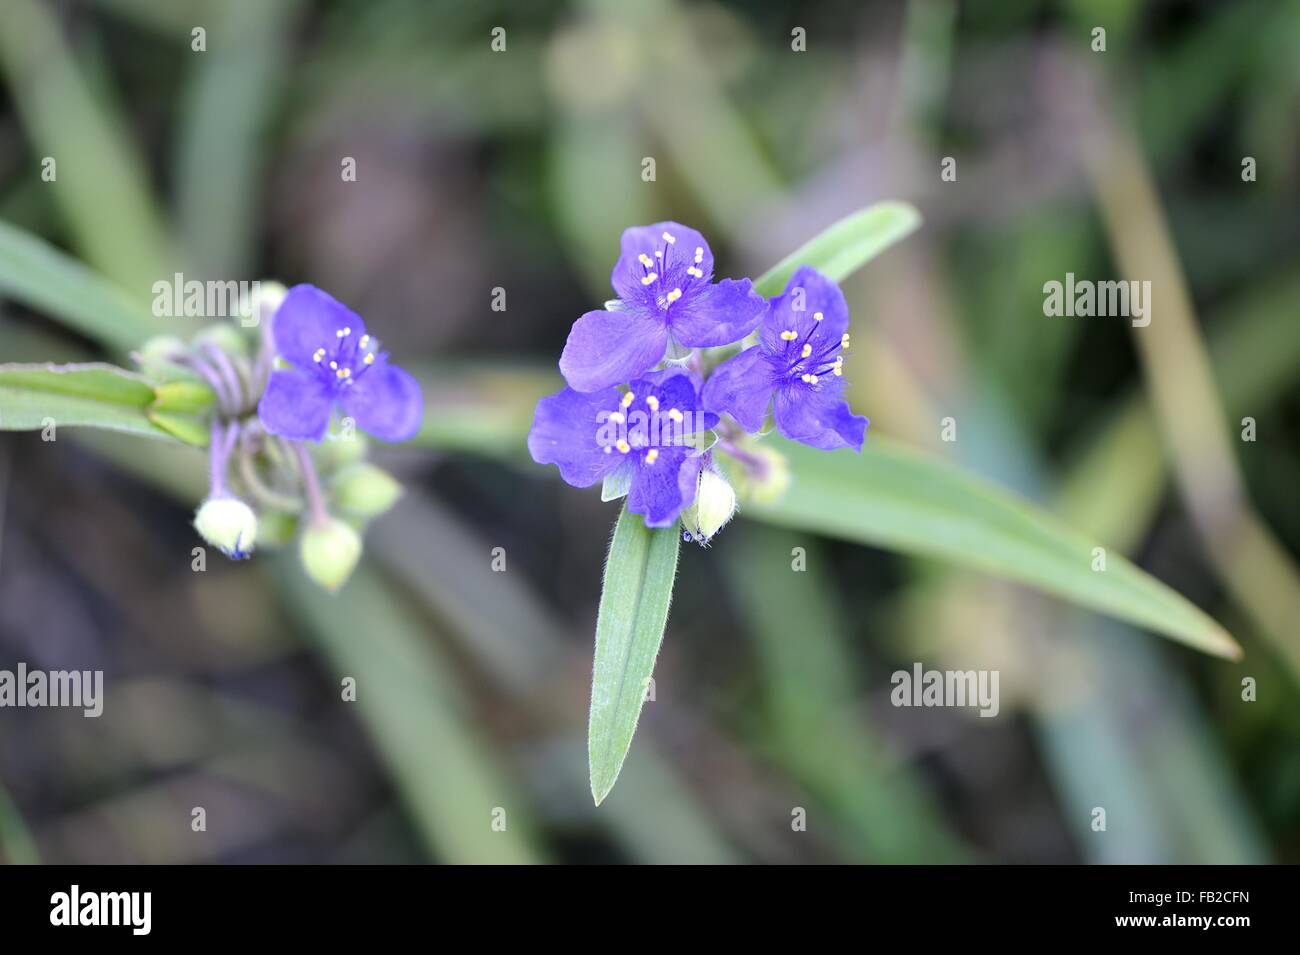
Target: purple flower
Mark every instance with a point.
(637, 437)
(796, 366)
(334, 363)
(666, 294)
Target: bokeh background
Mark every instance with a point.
(518, 169)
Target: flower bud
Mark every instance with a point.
(156, 358)
(329, 552)
(228, 524)
(182, 397)
(714, 505)
(226, 336)
(763, 479)
(365, 490)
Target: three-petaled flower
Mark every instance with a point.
(641, 437)
(667, 298)
(797, 366)
(334, 361)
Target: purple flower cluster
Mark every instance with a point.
(646, 437)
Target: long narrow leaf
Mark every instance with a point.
(846, 246)
(906, 501)
(89, 395)
(629, 629)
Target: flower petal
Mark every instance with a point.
(807, 294)
(296, 405)
(661, 490)
(716, 314)
(669, 263)
(565, 432)
(817, 416)
(610, 348)
(309, 319)
(742, 387)
(385, 401)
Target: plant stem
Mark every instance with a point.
(310, 484)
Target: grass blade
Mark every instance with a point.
(629, 629)
(92, 395)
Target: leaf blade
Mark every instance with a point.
(92, 394)
(844, 247)
(634, 601)
(903, 500)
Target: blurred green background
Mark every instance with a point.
(479, 169)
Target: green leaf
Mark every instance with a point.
(41, 277)
(92, 395)
(903, 500)
(629, 629)
(846, 246)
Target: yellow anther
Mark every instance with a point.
(693, 271)
(839, 371)
(669, 238)
(844, 340)
(370, 359)
(818, 316)
(334, 364)
(628, 398)
(344, 372)
(807, 350)
(675, 415)
(645, 260)
(652, 403)
(649, 278)
(622, 446)
(618, 417)
(789, 335)
(807, 379)
(652, 456)
(365, 341)
(344, 332)
(318, 355)
(699, 254)
(674, 295)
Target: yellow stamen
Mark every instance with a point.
(617, 417)
(675, 415)
(649, 278)
(318, 355)
(652, 456)
(344, 373)
(789, 335)
(622, 446)
(699, 254)
(652, 403)
(334, 364)
(370, 359)
(694, 272)
(844, 341)
(670, 239)
(628, 398)
(674, 295)
(343, 332)
(807, 350)
(644, 260)
(818, 316)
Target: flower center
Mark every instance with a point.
(664, 274)
(812, 356)
(346, 359)
(644, 426)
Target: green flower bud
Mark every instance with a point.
(764, 479)
(228, 524)
(183, 397)
(329, 552)
(155, 358)
(226, 336)
(342, 446)
(365, 490)
(714, 505)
